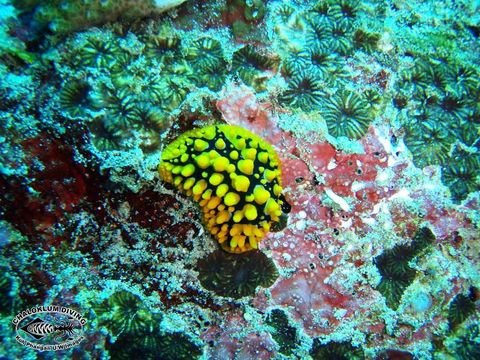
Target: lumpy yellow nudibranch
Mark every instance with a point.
(234, 175)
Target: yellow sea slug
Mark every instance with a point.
(235, 176)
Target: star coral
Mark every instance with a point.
(236, 275)
(235, 176)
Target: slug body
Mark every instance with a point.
(235, 176)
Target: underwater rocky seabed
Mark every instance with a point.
(373, 108)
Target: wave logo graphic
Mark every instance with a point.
(49, 328)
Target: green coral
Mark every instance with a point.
(128, 85)
(461, 174)
(335, 350)
(98, 51)
(429, 141)
(103, 137)
(340, 37)
(152, 345)
(365, 40)
(336, 10)
(75, 98)
(316, 59)
(393, 266)
(467, 346)
(347, 114)
(136, 331)
(284, 334)
(460, 308)
(236, 275)
(295, 62)
(176, 345)
(345, 9)
(283, 12)
(463, 79)
(323, 60)
(415, 78)
(118, 105)
(331, 26)
(164, 45)
(317, 34)
(124, 312)
(205, 56)
(444, 110)
(252, 67)
(304, 91)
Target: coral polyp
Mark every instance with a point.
(395, 270)
(234, 175)
(284, 333)
(464, 80)
(347, 114)
(340, 37)
(461, 175)
(346, 9)
(461, 307)
(75, 98)
(304, 91)
(335, 350)
(236, 276)
(252, 66)
(205, 53)
(429, 141)
(466, 346)
(322, 59)
(124, 312)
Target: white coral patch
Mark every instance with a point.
(164, 5)
(337, 199)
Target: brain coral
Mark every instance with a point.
(235, 176)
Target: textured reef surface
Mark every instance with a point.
(338, 165)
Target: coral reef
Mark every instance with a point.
(304, 91)
(444, 91)
(137, 333)
(124, 312)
